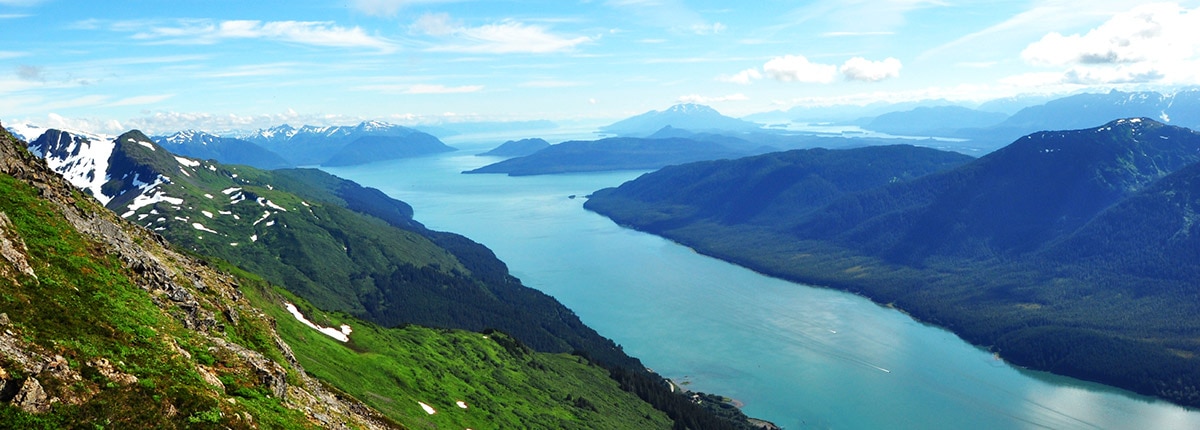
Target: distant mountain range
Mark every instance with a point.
(691, 117)
(369, 141)
(110, 324)
(1067, 251)
(517, 148)
(614, 153)
(990, 129)
(228, 150)
(341, 246)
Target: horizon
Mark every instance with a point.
(219, 67)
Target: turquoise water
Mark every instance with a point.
(799, 356)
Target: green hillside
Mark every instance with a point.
(1067, 251)
(341, 246)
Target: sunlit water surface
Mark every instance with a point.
(799, 356)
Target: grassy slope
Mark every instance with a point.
(84, 305)
(505, 384)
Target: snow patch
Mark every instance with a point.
(187, 161)
(140, 142)
(86, 164)
(264, 202)
(428, 409)
(461, 404)
(201, 227)
(342, 334)
(230, 190)
(208, 195)
(254, 238)
(146, 198)
(207, 214)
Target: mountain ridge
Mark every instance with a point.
(1066, 251)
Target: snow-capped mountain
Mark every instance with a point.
(689, 116)
(344, 145)
(202, 145)
(82, 159)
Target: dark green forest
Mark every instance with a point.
(1071, 252)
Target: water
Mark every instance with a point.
(799, 356)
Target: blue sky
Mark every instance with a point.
(164, 65)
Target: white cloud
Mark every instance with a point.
(706, 28)
(388, 7)
(31, 73)
(314, 33)
(419, 88)
(442, 89)
(797, 68)
(1149, 43)
(141, 100)
(504, 37)
(862, 69)
(550, 83)
(699, 99)
(1152, 32)
(673, 15)
(743, 77)
(859, 16)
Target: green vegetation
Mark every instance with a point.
(503, 383)
(346, 248)
(86, 306)
(358, 253)
(1070, 252)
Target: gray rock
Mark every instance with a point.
(32, 398)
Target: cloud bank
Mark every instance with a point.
(798, 68)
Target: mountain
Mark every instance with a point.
(341, 246)
(1085, 110)
(932, 121)
(614, 153)
(517, 148)
(1015, 199)
(689, 116)
(366, 142)
(762, 189)
(1066, 251)
(205, 146)
(105, 324)
(358, 255)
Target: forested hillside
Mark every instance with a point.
(1067, 251)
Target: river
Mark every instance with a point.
(799, 356)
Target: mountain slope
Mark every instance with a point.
(383, 267)
(933, 121)
(346, 145)
(105, 326)
(517, 148)
(761, 189)
(1086, 110)
(1066, 251)
(614, 153)
(351, 246)
(692, 117)
(1013, 200)
(205, 146)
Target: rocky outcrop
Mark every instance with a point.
(204, 301)
(12, 248)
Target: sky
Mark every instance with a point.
(217, 65)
